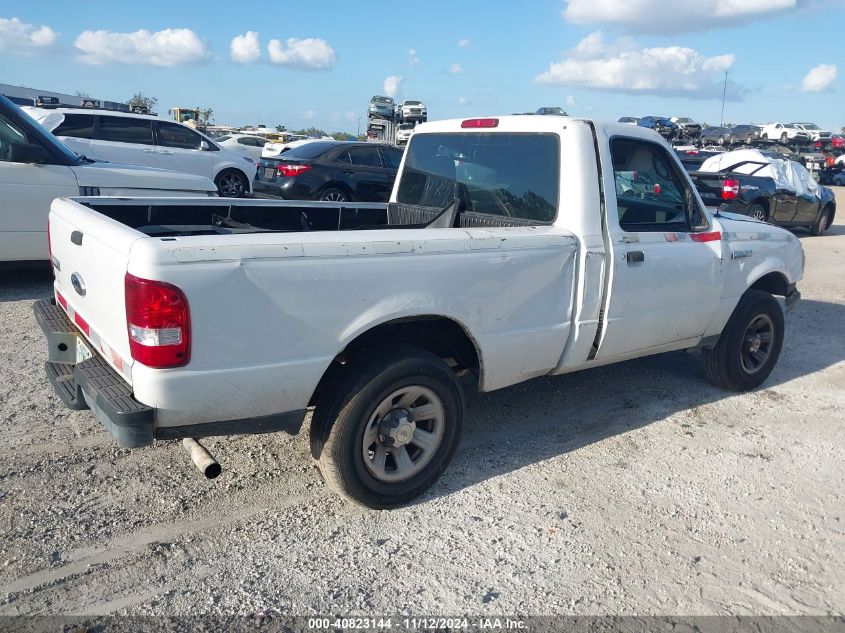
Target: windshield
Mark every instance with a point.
(514, 175)
(20, 127)
(413, 103)
(808, 126)
(381, 100)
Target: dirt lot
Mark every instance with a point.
(636, 488)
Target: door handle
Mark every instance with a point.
(149, 151)
(635, 256)
(166, 152)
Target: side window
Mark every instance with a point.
(343, 158)
(77, 126)
(120, 129)
(246, 140)
(10, 135)
(365, 156)
(392, 157)
(650, 193)
(179, 136)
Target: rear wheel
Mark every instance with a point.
(822, 223)
(333, 194)
(388, 427)
(231, 184)
(758, 212)
(749, 346)
(783, 136)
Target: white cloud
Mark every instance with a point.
(623, 67)
(463, 43)
(245, 48)
(309, 114)
(655, 16)
(413, 58)
(391, 85)
(170, 47)
(25, 38)
(464, 101)
(819, 78)
(456, 69)
(571, 101)
(349, 116)
(307, 54)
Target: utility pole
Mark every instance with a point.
(359, 128)
(724, 92)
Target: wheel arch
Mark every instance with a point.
(335, 184)
(443, 336)
(775, 283)
(229, 168)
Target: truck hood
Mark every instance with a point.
(738, 223)
(104, 174)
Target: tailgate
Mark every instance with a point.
(90, 255)
(709, 186)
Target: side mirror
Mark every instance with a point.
(27, 153)
(204, 146)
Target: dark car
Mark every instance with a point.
(687, 128)
(715, 135)
(692, 159)
(760, 197)
(744, 133)
(552, 110)
(331, 170)
(630, 120)
(660, 124)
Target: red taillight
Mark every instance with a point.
(474, 123)
(158, 322)
(292, 170)
(730, 189)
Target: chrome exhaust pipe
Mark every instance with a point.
(202, 459)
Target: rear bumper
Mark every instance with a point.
(93, 384)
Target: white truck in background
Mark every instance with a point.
(512, 247)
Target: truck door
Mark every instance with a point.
(666, 279)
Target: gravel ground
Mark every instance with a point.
(669, 496)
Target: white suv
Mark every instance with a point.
(814, 131)
(783, 132)
(139, 139)
(413, 111)
(403, 133)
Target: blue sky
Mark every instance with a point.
(596, 58)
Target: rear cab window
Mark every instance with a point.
(514, 175)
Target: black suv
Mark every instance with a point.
(331, 170)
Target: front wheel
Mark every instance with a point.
(749, 346)
(757, 212)
(231, 184)
(388, 427)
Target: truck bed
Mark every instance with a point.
(219, 216)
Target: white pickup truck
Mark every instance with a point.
(512, 248)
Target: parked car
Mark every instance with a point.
(35, 168)
(783, 132)
(247, 144)
(660, 124)
(381, 108)
(413, 111)
(336, 171)
(715, 135)
(282, 144)
(687, 128)
(692, 159)
(629, 120)
(745, 133)
(554, 110)
(404, 132)
(814, 132)
(834, 143)
(370, 314)
(767, 189)
(140, 139)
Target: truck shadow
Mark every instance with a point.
(18, 284)
(547, 417)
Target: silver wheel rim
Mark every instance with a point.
(403, 434)
(231, 185)
(759, 214)
(757, 343)
(333, 196)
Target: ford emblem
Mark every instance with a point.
(78, 284)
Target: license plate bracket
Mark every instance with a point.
(83, 352)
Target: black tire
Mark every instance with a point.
(333, 194)
(347, 406)
(727, 364)
(720, 140)
(784, 137)
(821, 223)
(231, 183)
(733, 140)
(758, 212)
